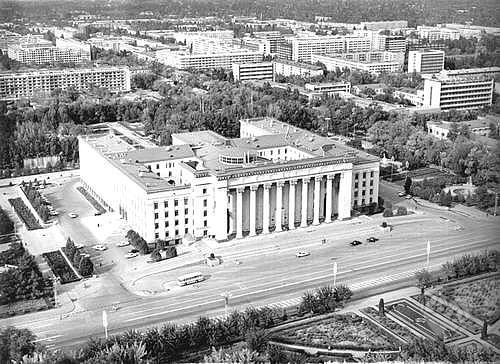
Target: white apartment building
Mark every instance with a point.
(288, 68)
(274, 177)
(426, 61)
(437, 33)
(415, 97)
(482, 71)
(374, 62)
(15, 85)
(46, 53)
(329, 88)
(222, 59)
(304, 47)
(253, 71)
(458, 92)
(383, 25)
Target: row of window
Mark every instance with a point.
(363, 193)
(176, 203)
(363, 184)
(356, 176)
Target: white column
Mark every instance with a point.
(253, 202)
(345, 190)
(221, 214)
(329, 185)
(317, 181)
(291, 205)
(279, 206)
(305, 192)
(239, 212)
(265, 207)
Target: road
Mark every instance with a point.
(269, 273)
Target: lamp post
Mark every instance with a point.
(226, 295)
(428, 254)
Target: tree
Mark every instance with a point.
(16, 343)
(156, 255)
(70, 249)
(256, 340)
(424, 278)
(381, 307)
(387, 212)
(170, 252)
(407, 184)
(6, 224)
(86, 267)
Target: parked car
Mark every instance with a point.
(97, 213)
(133, 251)
(401, 194)
(79, 246)
(408, 197)
(73, 215)
(131, 255)
(123, 243)
(99, 247)
(372, 239)
(355, 243)
(302, 254)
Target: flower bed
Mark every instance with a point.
(24, 213)
(389, 324)
(91, 199)
(22, 307)
(480, 298)
(60, 267)
(348, 331)
(450, 313)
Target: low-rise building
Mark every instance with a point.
(27, 84)
(375, 62)
(329, 88)
(415, 97)
(441, 129)
(288, 68)
(481, 71)
(253, 71)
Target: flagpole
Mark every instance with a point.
(334, 274)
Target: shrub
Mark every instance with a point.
(387, 212)
(6, 224)
(86, 268)
(60, 267)
(156, 256)
(402, 211)
(170, 252)
(70, 249)
(24, 213)
(137, 242)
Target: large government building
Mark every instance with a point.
(274, 177)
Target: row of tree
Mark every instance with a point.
(6, 224)
(36, 200)
(81, 262)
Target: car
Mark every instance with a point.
(401, 194)
(85, 255)
(122, 243)
(408, 197)
(72, 215)
(97, 213)
(131, 255)
(99, 247)
(79, 246)
(372, 239)
(133, 251)
(302, 254)
(355, 243)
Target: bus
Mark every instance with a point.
(190, 278)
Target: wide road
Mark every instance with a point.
(270, 273)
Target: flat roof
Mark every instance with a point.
(298, 64)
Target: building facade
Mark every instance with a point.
(253, 71)
(274, 177)
(15, 85)
(223, 59)
(375, 62)
(289, 68)
(426, 61)
(46, 53)
(458, 92)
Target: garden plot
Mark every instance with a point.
(348, 331)
(391, 325)
(422, 321)
(450, 313)
(480, 298)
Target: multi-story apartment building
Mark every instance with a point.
(223, 58)
(45, 53)
(253, 71)
(284, 50)
(393, 43)
(274, 177)
(26, 84)
(375, 62)
(426, 61)
(437, 33)
(383, 25)
(329, 88)
(458, 92)
(482, 71)
(273, 37)
(304, 47)
(262, 46)
(287, 68)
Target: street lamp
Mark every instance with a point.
(334, 272)
(226, 295)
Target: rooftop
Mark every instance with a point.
(298, 64)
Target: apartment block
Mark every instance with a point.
(15, 85)
(46, 53)
(426, 61)
(253, 71)
(304, 47)
(289, 68)
(375, 62)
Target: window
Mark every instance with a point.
(362, 201)
(185, 201)
(186, 221)
(176, 202)
(204, 191)
(156, 225)
(167, 234)
(363, 192)
(166, 224)
(176, 212)
(371, 200)
(205, 232)
(176, 222)
(205, 203)
(165, 204)
(166, 213)
(364, 174)
(156, 205)
(356, 176)
(355, 193)
(205, 223)
(157, 235)
(356, 184)
(371, 183)
(176, 232)
(205, 213)
(156, 215)
(371, 191)
(371, 174)
(157, 166)
(186, 211)
(364, 184)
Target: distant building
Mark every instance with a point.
(284, 50)
(483, 71)
(375, 62)
(289, 68)
(458, 92)
(15, 85)
(415, 97)
(437, 33)
(441, 129)
(383, 25)
(426, 61)
(303, 48)
(329, 88)
(40, 52)
(253, 71)
(273, 37)
(224, 58)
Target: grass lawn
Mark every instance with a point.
(480, 298)
(22, 307)
(348, 331)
